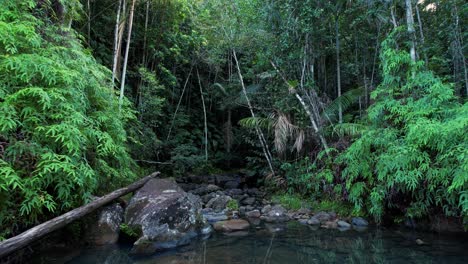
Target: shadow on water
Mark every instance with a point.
(292, 244)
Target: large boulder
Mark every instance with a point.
(164, 216)
(104, 226)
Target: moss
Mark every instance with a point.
(232, 205)
(133, 232)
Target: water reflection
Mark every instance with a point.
(299, 244)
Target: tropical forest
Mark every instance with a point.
(233, 131)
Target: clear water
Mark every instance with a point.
(293, 243)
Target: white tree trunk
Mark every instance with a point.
(410, 25)
(204, 114)
(116, 42)
(338, 70)
(124, 71)
(261, 138)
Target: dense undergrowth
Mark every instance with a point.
(62, 137)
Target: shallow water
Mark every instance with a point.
(292, 243)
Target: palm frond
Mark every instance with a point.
(345, 100)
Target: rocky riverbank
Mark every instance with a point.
(164, 214)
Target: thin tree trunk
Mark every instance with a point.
(122, 25)
(421, 33)
(178, 104)
(146, 30)
(89, 22)
(410, 25)
(20, 241)
(459, 41)
(261, 138)
(204, 115)
(116, 43)
(338, 70)
(124, 71)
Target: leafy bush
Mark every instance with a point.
(289, 201)
(414, 155)
(61, 134)
(232, 205)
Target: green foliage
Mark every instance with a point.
(414, 155)
(290, 202)
(61, 135)
(232, 205)
(343, 209)
(129, 231)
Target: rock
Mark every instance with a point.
(313, 221)
(164, 216)
(303, 221)
(213, 217)
(207, 197)
(343, 224)
(253, 214)
(275, 228)
(233, 192)
(254, 192)
(420, 242)
(330, 225)
(218, 203)
(231, 185)
(359, 221)
(323, 217)
(266, 209)
(206, 189)
(303, 211)
(248, 201)
(277, 214)
(231, 225)
(105, 226)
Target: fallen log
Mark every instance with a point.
(20, 241)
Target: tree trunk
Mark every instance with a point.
(338, 69)
(89, 22)
(20, 241)
(146, 30)
(204, 115)
(261, 138)
(116, 43)
(178, 104)
(124, 71)
(421, 33)
(410, 25)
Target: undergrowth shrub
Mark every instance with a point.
(413, 156)
(61, 135)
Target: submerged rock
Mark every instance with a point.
(313, 221)
(359, 221)
(231, 225)
(164, 216)
(105, 227)
(343, 224)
